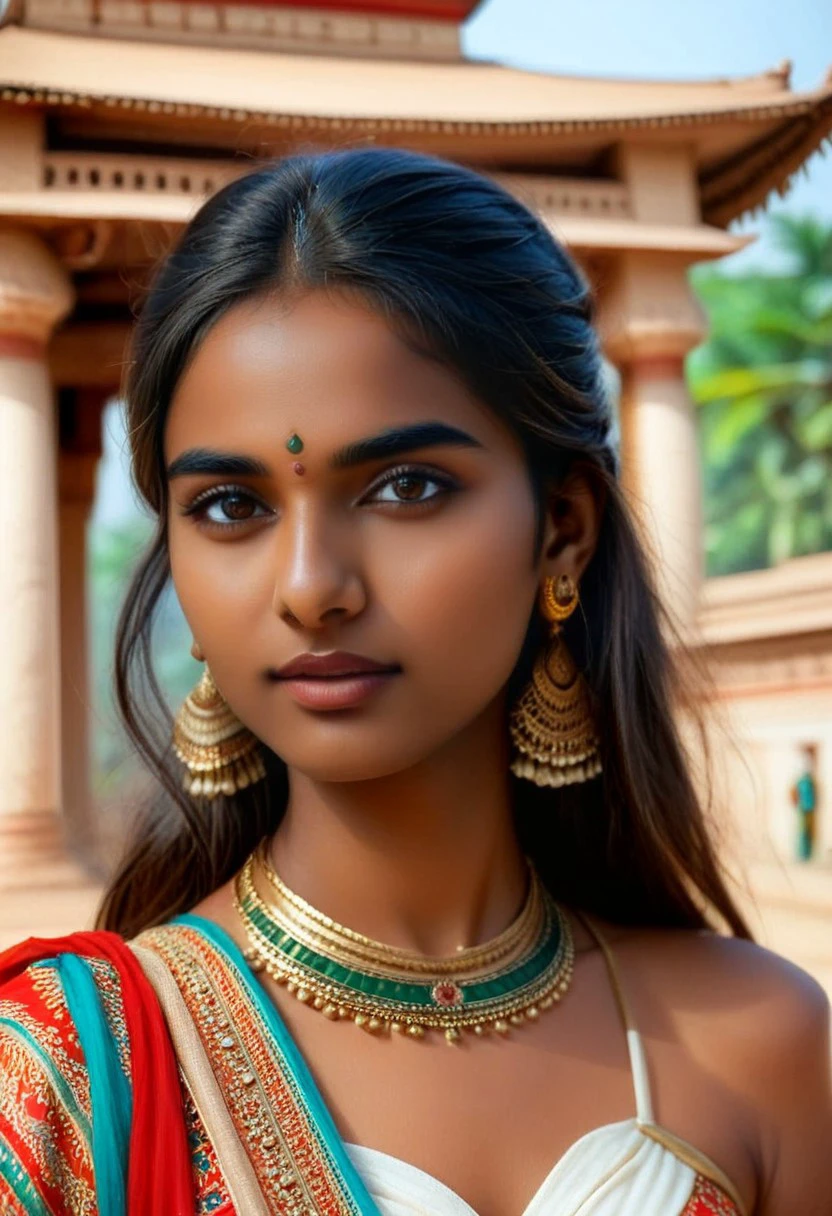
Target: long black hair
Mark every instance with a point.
(477, 280)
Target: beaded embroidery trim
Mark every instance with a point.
(45, 1130)
(293, 1165)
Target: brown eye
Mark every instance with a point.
(412, 486)
(409, 488)
(236, 508)
(224, 508)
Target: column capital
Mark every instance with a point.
(649, 319)
(649, 314)
(653, 346)
(35, 293)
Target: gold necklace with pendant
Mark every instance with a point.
(493, 987)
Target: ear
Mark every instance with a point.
(573, 519)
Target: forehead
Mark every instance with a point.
(324, 364)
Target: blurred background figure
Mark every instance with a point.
(804, 793)
(657, 151)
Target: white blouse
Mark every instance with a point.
(611, 1171)
(631, 1168)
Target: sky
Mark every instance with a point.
(675, 40)
(672, 39)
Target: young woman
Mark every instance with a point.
(426, 918)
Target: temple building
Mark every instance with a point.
(118, 117)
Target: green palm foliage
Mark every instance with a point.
(763, 381)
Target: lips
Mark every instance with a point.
(334, 681)
(336, 664)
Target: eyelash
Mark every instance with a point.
(425, 473)
(199, 505)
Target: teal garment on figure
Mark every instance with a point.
(806, 792)
(806, 797)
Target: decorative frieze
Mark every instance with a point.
(183, 175)
(573, 196)
(792, 665)
(770, 630)
(84, 171)
(254, 26)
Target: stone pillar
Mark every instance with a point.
(80, 448)
(35, 294)
(649, 321)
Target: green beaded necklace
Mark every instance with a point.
(346, 976)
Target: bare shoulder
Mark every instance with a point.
(736, 983)
(731, 963)
(736, 976)
(754, 1020)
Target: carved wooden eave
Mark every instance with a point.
(748, 135)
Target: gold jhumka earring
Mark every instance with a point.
(220, 754)
(551, 724)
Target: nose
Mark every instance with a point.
(316, 579)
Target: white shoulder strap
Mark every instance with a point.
(635, 1044)
(641, 1077)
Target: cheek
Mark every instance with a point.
(466, 602)
(189, 578)
(199, 570)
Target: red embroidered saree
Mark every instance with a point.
(112, 1104)
(59, 1103)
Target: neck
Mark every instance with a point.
(425, 859)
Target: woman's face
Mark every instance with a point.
(420, 558)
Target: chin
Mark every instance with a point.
(337, 762)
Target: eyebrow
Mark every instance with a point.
(208, 460)
(396, 440)
(391, 442)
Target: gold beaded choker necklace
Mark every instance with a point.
(500, 984)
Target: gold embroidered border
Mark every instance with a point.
(39, 1120)
(53, 1041)
(109, 989)
(293, 1166)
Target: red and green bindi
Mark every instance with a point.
(294, 444)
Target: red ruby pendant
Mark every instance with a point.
(447, 995)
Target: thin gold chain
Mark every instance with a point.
(389, 962)
(301, 916)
